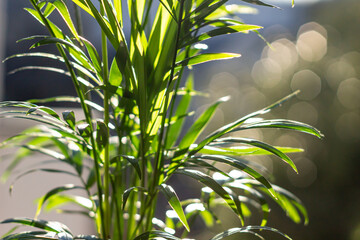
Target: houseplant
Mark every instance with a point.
(136, 145)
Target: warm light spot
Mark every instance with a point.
(312, 26)
(267, 73)
(349, 93)
(311, 45)
(338, 71)
(194, 207)
(284, 52)
(252, 99)
(308, 82)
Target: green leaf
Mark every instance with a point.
(243, 167)
(292, 205)
(74, 50)
(102, 134)
(225, 129)
(31, 235)
(94, 56)
(52, 40)
(87, 237)
(82, 4)
(84, 130)
(200, 124)
(47, 110)
(222, 31)
(19, 156)
(155, 235)
(9, 232)
(51, 226)
(206, 57)
(79, 67)
(246, 229)
(49, 170)
(69, 117)
(175, 204)
(261, 145)
(64, 236)
(211, 183)
(127, 192)
(52, 193)
(115, 76)
(282, 123)
(252, 191)
(64, 12)
(243, 151)
(260, 3)
(196, 162)
(132, 160)
(56, 200)
(45, 151)
(175, 128)
(67, 99)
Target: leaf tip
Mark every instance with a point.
(225, 99)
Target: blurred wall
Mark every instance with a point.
(2, 45)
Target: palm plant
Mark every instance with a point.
(135, 147)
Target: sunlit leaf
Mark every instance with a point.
(156, 234)
(233, 231)
(42, 224)
(174, 202)
(52, 193)
(261, 145)
(207, 57)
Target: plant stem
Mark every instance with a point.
(159, 159)
(160, 150)
(107, 210)
(84, 108)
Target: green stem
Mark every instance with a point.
(78, 21)
(159, 158)
(107, 210)
(83, 106)
(160, 150)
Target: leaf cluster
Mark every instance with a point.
(125, 158)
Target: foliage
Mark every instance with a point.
(136, 146)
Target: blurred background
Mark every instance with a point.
(315, 47)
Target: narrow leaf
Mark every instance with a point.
(246, 229)
(199, 125)
(211, 183)
(243, 167)
(175, 204)
(42, 224)
(207, 57)
(156, 235)
(53, 192)
(261, 145)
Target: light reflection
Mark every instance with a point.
(267, 73)
(348, 93)
(283, 51)
(337, 71)
(308, 82)
(311, 46)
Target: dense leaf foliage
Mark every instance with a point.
(135, 147)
